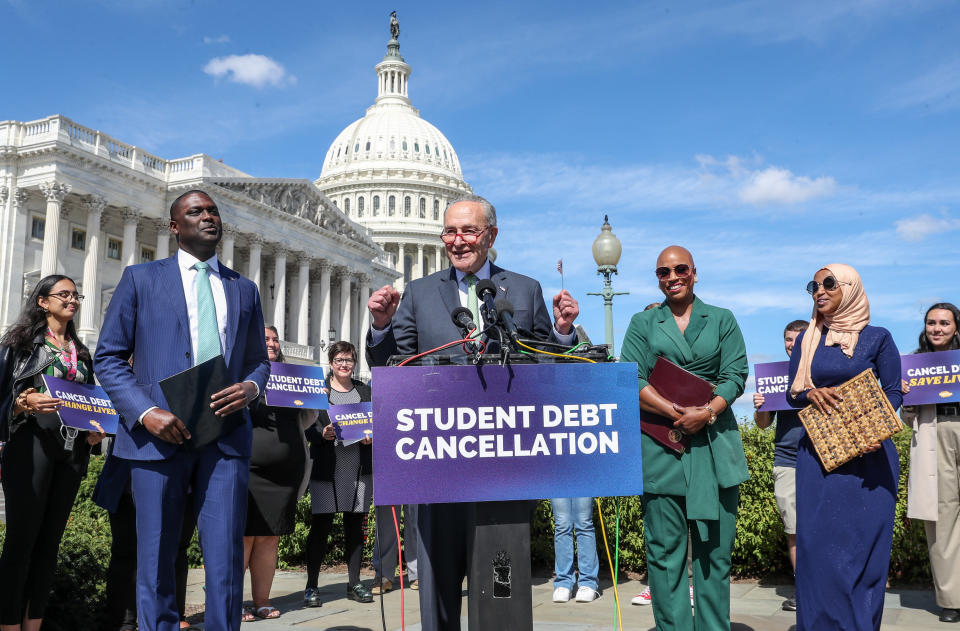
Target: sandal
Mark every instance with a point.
(248, 615)
(267, 613)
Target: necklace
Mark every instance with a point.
(68, 354)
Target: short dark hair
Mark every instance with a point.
(796, 325)
(193, 191)
(924, 345)
(341, 347)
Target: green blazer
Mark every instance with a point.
(712, 348)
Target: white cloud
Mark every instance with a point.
(936, 90)
(255, 70)
(919, 227)
(219, 39)
(774, 185)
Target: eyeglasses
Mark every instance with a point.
(829, 283)
(343, 362)
(469, 235)
(682, 271)
(67, 295)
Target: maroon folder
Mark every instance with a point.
(677, 386)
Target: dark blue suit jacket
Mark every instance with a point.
(147, 320)
(423, 318)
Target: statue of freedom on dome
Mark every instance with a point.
(394, 25)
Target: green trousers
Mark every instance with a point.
(666, 529)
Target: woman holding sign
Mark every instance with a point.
(43, 464)
(934, 465)
(278, 463)
(341, 481)
(689, 491)
(844, 517)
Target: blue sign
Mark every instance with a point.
(296, 386)
(352, 421)
(488, 433)
(85, 405)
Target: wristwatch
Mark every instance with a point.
(713, 415)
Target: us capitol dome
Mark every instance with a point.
(394, 173)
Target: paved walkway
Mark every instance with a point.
(753, 608)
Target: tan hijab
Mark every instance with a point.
(843, 325)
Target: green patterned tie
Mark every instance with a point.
(471, 281)
(208, 331)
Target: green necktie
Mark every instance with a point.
(471, 281)
(208, 331)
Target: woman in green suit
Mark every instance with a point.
(695, 491)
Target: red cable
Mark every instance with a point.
(434, 350)
(396, 527)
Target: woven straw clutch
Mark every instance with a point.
(865, 417)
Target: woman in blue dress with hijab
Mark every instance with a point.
(844, 517)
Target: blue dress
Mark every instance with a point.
(845, 517)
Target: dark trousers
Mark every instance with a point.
(122, 571)
(40, 483)
(317, 545)
(445, 532)
(385, 547)
(219, 498)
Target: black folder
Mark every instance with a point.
(188, 397)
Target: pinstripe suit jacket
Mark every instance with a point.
(147, 320)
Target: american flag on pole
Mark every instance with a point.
(560, 269)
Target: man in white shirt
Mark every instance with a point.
(422, 321)
(170, 315)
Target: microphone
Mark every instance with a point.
(486, 292)
(463, 319)
(505, 314)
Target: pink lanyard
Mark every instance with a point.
(69, 360)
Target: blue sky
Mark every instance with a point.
(768, 138)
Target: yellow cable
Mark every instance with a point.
(537, 350)
(616, 593)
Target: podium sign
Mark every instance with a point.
(489, 433)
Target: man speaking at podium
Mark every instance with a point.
(421, 321)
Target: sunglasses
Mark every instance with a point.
(829, 283)
(682, 271)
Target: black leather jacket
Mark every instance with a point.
(17, 373)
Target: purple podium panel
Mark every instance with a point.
(931, 377)
(491, 433)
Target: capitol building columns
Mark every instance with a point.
(303, 300)
(279, 291)
(254, 250)
(131, 223)
(55, 192)
(163, 238)
(90, 309)
(227, 246)
(344, 330)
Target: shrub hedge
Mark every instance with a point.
(759, 550)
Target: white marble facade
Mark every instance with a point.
(79, 202)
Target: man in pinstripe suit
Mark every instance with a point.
(170, 315)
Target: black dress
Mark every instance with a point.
(277, 467)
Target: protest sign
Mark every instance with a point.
(931, 377)
(296, 386)
(85, 405)
(772, 383)
(352, 421)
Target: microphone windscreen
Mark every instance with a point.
(486, 286)
(503, 305)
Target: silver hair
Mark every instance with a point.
(489, 212)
